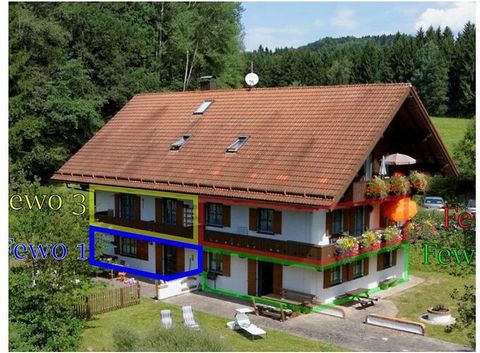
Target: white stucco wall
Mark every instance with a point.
(299, 279)
(299, 226)
(238, 280)
(104, 201)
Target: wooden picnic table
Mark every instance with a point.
(361, 296)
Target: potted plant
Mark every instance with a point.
(376, 188)
(419, 181)
(392, 233)
(370, 239)
(347, 245)
(439, 314)
(399, 185)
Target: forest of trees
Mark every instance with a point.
(440, 64)
(72, 66)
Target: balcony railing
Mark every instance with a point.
(179, 231)
(279, 247)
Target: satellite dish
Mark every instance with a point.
(251, 79)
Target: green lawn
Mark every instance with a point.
(436, 289)
(451, 130)
(98, 335)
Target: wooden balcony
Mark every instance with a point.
(278, 247)
(179, 231)
(359, 191)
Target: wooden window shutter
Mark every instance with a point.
(116, 242)
(136, 207)
(328, 223)
(277, 278)
(226, 215)
(380, 262)
(349, 271)
(142, 249)
(351, 219)
(252, 277)
(277, 222)
(205, 261)
(326, 278)
(366, 261)
(180, 259)
(159, 211)
(253, 219)
(117, 205)
(226, 265)
(394, 257)
(345, 272)
(179, 213)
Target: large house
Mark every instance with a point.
(246, 192)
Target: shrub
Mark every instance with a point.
(440, 307)
(370, 238)
(419, 181)
(398, 185)
(391, 233)
(376, 188)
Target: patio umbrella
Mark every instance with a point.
(399, 159)
(383, 167)
(400, 210)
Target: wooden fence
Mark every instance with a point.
(111, 299)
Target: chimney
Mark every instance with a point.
(207, 83)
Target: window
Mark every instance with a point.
(127, 210)
(179, 143)
(368, 167)
(239, 142)
(265, 220)
(128, 247)
(359, 221)
(215, 214)
(337, 222)
(357, 269)
(204, 106)
(387, 259)
(336, 276)
(215, 263)
(187, 216)
(170, 211)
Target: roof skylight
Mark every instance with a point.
(179, 143)
(204, 106)
(237, 144)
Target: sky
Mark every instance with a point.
(293, 24)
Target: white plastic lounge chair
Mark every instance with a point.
(188, 319)
(244, 323)
(166, 318)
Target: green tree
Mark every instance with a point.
(466, 320)
(430, 77)
(464, 152)
(340, 72)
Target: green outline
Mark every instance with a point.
(144, 192)
(405, 276)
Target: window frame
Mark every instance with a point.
(333, 273)
(269, 220)
(128, 247)
(362, 269)
(217, 215)
(387, 255)
(215, 263)
(169, 211)
(127, 203)
(334, 220)
(237, 144)
(358, 210)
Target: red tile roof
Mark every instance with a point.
(305, 145)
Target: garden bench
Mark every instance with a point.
(300, 298)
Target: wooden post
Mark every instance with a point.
(156, 289)
(87, 307)
(122, 296)
(138, 291)
(282, 313)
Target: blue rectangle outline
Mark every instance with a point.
(91, 232)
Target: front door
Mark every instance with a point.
(159, 258)
(265, 278)
(170, 260)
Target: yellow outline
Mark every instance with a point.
(144, 192)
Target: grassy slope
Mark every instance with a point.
(451, 130)
(434, 290)
(98, 335)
